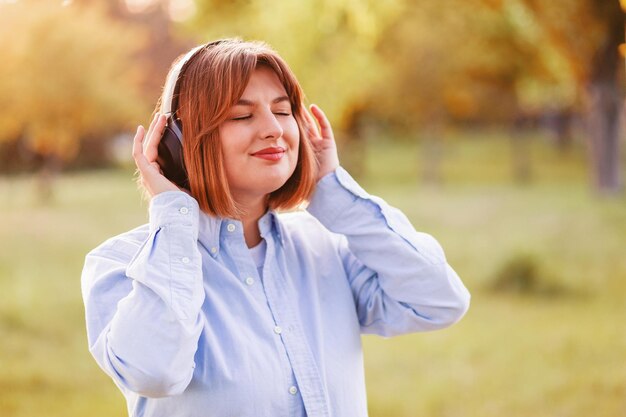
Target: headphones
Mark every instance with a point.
(170, 149)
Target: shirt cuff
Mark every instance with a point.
(334, 193)
(173, 207)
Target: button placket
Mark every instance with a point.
(300, 359)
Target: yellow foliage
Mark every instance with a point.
(65, 74)
(460, 103)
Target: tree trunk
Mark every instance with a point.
(605, 102)
(353, 148)
(562, 128)
(48, 173)
(432, 152)
(521, 163)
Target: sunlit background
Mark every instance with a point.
(495, 125)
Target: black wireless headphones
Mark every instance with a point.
(170, 149)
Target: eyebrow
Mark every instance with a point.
(244, 102)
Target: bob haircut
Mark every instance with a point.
(210, 83)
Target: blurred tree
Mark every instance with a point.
(582, 39)
(163, 41)
(436, 52)
(64, 77)
(506, 61)
(605, 93)
(453, 62)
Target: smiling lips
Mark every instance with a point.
(270, 154)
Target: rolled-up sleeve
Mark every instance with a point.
(399, 277)
(143, 300)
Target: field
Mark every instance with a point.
(550, 342)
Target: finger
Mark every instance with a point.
(152, 147)
(151, 127)
(138, 156)
(325, 128)
(310, 125)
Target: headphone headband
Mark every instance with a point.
(169, 98)
(172, 82)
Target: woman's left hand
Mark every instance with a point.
(322, 140)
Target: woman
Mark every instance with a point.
(220, 306)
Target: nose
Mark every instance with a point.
(270, 127)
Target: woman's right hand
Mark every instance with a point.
(145, 157)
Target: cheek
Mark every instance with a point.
(292, 133)
(233, 147)
(294, 145)
(230, 154)
(296, 149)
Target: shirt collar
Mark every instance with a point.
(209, 233)
(270, 222)
(211, 228)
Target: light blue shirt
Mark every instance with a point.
(180, 318)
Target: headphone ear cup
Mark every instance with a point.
(170, 154)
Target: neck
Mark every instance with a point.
(253, 209)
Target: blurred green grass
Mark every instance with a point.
(512, 355)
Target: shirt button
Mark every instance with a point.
(183, 210)
(230, 227)
(249, 280)
(213, 249)
(278, 330)
(185, 260)
(293, 390)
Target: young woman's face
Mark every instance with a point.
(260, 138)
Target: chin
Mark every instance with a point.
(273, 184)
(277, 175)
(263, 180)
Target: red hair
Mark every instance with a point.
(211, 82)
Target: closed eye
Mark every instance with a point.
(244, 117)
